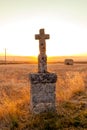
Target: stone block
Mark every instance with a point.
(42, 92)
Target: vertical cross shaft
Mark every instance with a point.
(42, 58)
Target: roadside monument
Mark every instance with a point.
(42, 83)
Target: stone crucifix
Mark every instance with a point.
(42, 84)
(42, 57)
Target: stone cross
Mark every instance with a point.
(42, 58)
(42, 84)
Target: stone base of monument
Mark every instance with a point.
(42, 92)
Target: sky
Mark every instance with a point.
(64, 20)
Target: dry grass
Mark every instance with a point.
(15, 96)
(68, 84)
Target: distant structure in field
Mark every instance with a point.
(69, 62)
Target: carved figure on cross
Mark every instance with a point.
(42, 58)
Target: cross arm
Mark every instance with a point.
(47, 36)
(37, 36)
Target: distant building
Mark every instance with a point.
(69, 62)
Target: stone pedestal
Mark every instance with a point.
(42, 90)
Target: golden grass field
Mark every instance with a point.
(71, 98)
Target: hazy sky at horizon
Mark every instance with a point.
(64, 20)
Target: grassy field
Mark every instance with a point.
(71, 98)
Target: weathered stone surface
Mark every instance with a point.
(42, 97)
(42, 63)
(43, 78)
(46, 92)
(42, 47)
(43, 107)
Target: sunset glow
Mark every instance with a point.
(18, 26)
